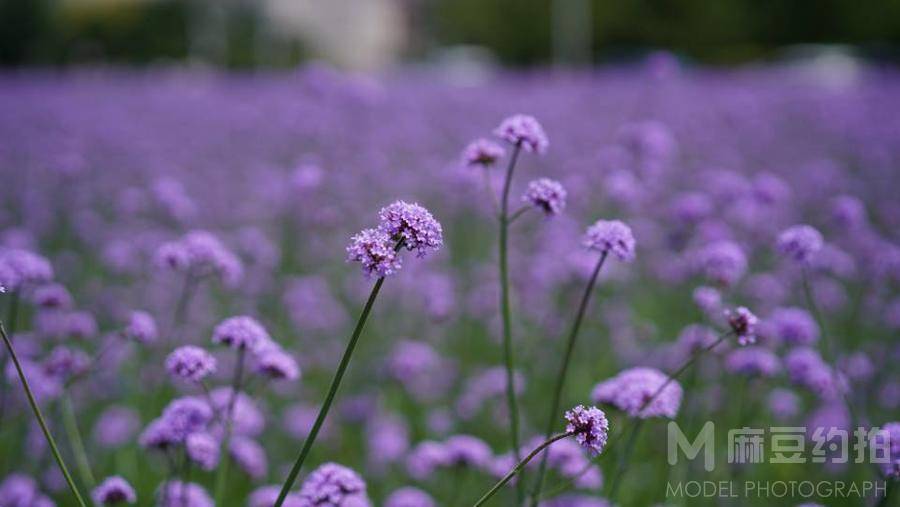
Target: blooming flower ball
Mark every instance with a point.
(190, 363)
(891, 431)
(414, 225)
(241, 332)
(141, 327)
(800, 243)
(743, 324)
(611, 236)
(333, 485)
(409, 497)
(547, 195)
(203, 449)
(113, 491)
(482, 152)
(524, 131)
(20, 268)
(466, 450)
(794, 326)
(589, 426)
(277, 364)
(753, 362)
(178, 494)
(722, 262)
(633, 391)
(374, 250)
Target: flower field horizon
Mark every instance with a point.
(549, 274)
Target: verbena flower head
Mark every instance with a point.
(633, 389)
(114, 491)
(66, 362)
(800, 243)
(52, 296)
(141, 327)
(249, 456)
(409, 497)
(722, 262)
(412, 224)
(889, 436)
(201, 254)
(374, 249)
(466, 450)
(482, 152)
(177, 494)
(202, 449)
(547, 195)
(18, 490)
(190, 363)
(743, 324)
(266, 496)
(333, 485)
(427, 456)
(275, 363)
(611, 236)
(241, 332)
(794, 326)
(753, 362)
(188, 414)
(806, 368)
(589, 426)
(524, 131)
(22, 268)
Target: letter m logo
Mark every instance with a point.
(705, 440)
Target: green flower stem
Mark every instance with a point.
(224, 460)
(40, 418)
(508, 358)
(76, 442)
(518, 468)
(624, 460)
(332, 391)
(563, 372)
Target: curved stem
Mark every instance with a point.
(222, 474)
(77, 443)
(519, 466)
(519, 212)
(563, 371)
(40, 418)
(332, 391)
(508, 358)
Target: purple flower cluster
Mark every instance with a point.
(589, 427)
(743, 324)
(611, 236)
(547, 195)
(114, 491)
(525, 131)
(373, 249)
(411, 226)
(800, 243)
(190, 363)
(639, 392)
(333, 485)
(482, 152)
(201, 254)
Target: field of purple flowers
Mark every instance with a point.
(195, 265)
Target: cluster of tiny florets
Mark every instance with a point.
(611, 236)
(482, 152)
(547, 195)
(376, 252)
(190, 363)
(589, 426)
(800, 243)
(525, 131)
(412, 225)
(743, 324)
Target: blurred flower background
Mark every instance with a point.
(180, 181)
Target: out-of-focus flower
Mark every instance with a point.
(201, 254)
(190, 363)
(409, 497)
(116, 426)
(547, 195)
(412, 224)
(611, 236)
(374, 249)
(52, 296)
(708, 299)
(753, 362)
(589, 426)
(241, 332)
(632, 389)
(783, 403)
(249, 456)
(482, 152)
(525, 131)
(141, 327)
(466, 450)
(722, 262)
(333, 485)
(113, 491)
(20, 268)
(275, 363)
(177, 494)
(889, 436)
(203, 449)
(800, 243)
(794, 326)
(266, 496)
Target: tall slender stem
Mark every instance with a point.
(624, 460)
(222, 474)
(519, 466)
(11, 317)
(77, 443)
(40, 418)
(508, 358)
(332, 391)
(563, 371)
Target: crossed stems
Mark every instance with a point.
(332, 391)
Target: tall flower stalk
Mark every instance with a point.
(563, 372)
(508, 359)
(40, 418)
(403, 225)
(222, 473)
(70, 422)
